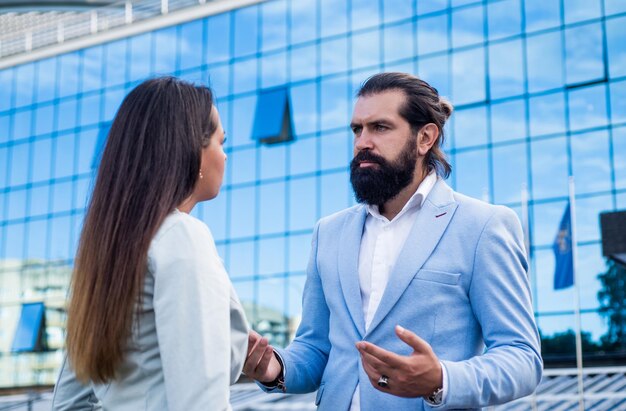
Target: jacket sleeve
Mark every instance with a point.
(499, 293)
(306, 357)
(70, 394)
(192, 314)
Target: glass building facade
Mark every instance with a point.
(539, 88)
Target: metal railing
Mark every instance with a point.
(25, 32)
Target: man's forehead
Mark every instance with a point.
(378, 106)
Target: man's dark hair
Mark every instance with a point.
(423, 105)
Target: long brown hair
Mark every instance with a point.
(423, 105)
(150, 165)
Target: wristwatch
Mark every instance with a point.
(436, 397)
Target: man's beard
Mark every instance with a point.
(378, 184)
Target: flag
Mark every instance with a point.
(563, 254)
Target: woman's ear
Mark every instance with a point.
(426, 138)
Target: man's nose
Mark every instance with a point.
(363, 141)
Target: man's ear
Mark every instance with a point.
(426, 138)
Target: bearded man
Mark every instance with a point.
(418, 297)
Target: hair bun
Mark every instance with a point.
(446, 107)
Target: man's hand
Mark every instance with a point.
(417, 375)
(261, 364)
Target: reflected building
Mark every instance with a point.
(539, 88)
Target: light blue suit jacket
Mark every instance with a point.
(460, 283)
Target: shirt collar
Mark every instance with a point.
(416, 200)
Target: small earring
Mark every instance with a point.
(201, 176)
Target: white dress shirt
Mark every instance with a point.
(381, 244)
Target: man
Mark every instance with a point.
(418, 297)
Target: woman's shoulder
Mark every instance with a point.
(179, 224)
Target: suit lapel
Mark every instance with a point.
(430, 224)
(348, 265)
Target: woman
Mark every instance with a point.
(153, 321)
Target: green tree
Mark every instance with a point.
(612, 299)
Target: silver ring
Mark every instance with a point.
(383, 381)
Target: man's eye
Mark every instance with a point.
(380, 127)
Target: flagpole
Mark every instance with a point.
(579, 349)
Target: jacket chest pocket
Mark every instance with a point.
(440, 277)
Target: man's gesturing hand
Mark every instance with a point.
(261, 364)
(416, 375)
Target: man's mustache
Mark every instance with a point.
(367, 156)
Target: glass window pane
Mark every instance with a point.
(5, 127)
(243, 113)
(467, 26)
(303, 62)
(22, 124)
(4, 163)
(432, 34)
(544, 61)
(242, 212)
(274, 69)
(615, 34)
(436, 71)
(549, 158)
(241, 261)
(37, 236)
(245, 75)
(365, 13)
(271, 208)
(271, 256)
(618, 101)
(588, 220)
(592, 171)
(504, 18)
(6, 85)
(614, 7)
(470, 127)
(64, 160)
(66, 114)
(542, 14)
(68, 66)
(165, 54)
(117, 52)
(60, 232)
(472, 173)
(584, 57)
(82, 191)
(508, 120)
(302, 203)
(44, 119)
(547, 114)
(14, 249)
(246, 31)
(141, 50)
(546, 219)
(62, 197)
(41, 163)
(90, 109)
(24, 84)
(335, 192)
(219, 80)
(87, 140)
(302, 156)
(366, 49)
(299, 250)
(336, 109)
(92, 68)
(214, 214)
(506, 69)
(274, 27)
(395, 10)
(19, 164)
(242, 165)
(17, 204)
(303, 21)
(579, 10)
(273, 161)
(218, 38)
(191, 44)
(334, 56)
(334, 17)
(510, 173)
(399, 42)
(46, 79)
(587, 107)
(304, 108)
(424, 7)
(619, 162)
(112, 101)
(468, 76)
(40, 200)
(336, 150)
